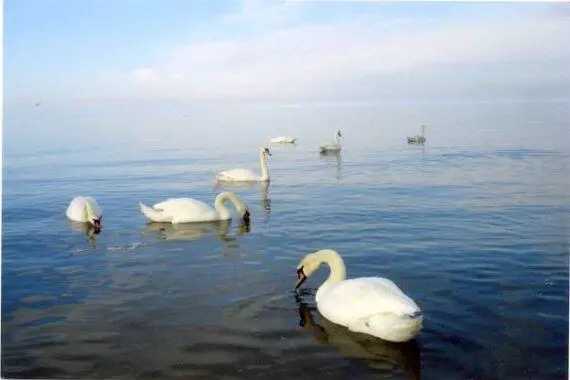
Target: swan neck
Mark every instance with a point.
(336, 265)
(336, 138)
(89, 211)
(222, 209)
(264, 169)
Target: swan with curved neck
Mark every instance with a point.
(334, 145)
(369, 305)
(85, 210)
(188, 210)
(243, 175)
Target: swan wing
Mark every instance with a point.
(238, 175)
(282, 139)
(330, 146)
(183, 205)
(76, 209)
(372, 305)
(184, 210)
(96, 208)
(361, 297)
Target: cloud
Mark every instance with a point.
(260, 14)
(310, 61)
(146, 76)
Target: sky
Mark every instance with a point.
(73, 52)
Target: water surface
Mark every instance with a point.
(473, 226)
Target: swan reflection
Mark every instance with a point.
(88, 229)
(263, 186)
(333, 157)
(195, 231)
(379, 354)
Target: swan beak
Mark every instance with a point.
(301, 278)
(246, 217)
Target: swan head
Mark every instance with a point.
(265, 151)
(244, 211)
(96, 223)
(338, 133)
(306, 268)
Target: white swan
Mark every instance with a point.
(369, 305)
(334, 145)
(283, 140)
(236, 175)
(188, 210)
(85, 210)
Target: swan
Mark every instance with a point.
(283, 140)
(188, 210)
(236, 175)
(85, 210)
(334, 145)
(369, 305)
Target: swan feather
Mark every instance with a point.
(77, 211)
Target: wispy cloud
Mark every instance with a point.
(146, 76)
(308, 61)
(284, 50)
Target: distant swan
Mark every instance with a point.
(236, 175)
(334, 145)
(85, 210)
(283, 140)
(188, 210)
(369, 305)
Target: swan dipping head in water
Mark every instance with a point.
(85, 210)
(369, 305)
(189, 210)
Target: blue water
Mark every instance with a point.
(473, 226)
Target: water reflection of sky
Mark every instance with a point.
(473, 225)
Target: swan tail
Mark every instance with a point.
(221, 177)
(153, 214)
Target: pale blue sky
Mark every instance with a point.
(99, 52)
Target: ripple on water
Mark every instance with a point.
(475, 236)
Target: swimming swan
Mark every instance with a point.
(283, 140)
(334, 145)
(85, 210)
(188, 210)
(369, 305)
(246, 174)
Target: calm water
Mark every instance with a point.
(473, 226)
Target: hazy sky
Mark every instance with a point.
(71, 52)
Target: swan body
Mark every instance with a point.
(333, 145)
(418, 139)
(246, 175)
(283, 140)
(188, 210)
(369, 305)
(85, 210)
